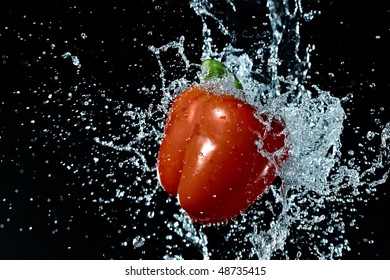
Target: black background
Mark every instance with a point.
(350, 39)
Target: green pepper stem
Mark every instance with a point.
(217, 69)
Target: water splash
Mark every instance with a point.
(314, 179)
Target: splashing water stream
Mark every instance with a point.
(314, 177)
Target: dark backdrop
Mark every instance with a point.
(43, 213)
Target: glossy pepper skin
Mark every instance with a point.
(209, 158)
